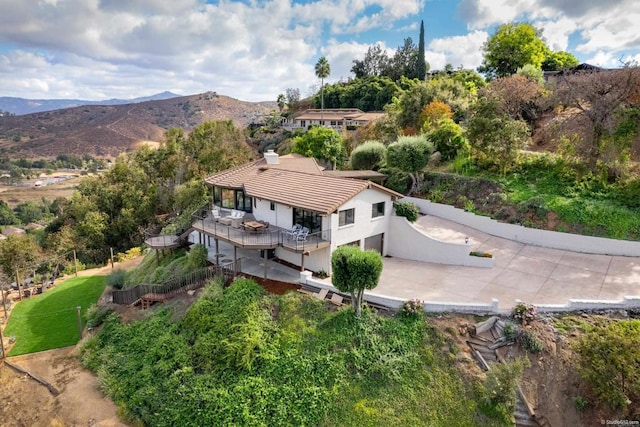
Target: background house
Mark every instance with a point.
(336, 118)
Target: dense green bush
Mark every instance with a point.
(500, 390)
(368, 155)
(240, 357)
(116, 279)
(408, 210)
(197, 257)
(608, 360)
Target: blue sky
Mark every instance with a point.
(255, 49)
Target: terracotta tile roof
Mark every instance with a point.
(235, 177)
(358, 174)
(295, 181)
(318, 193)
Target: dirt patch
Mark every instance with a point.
(24, 402)
(551, 384)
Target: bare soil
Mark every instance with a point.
(24, 402)
(551, 384)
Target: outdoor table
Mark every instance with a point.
(254, 225)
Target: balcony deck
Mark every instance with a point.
(271, 238)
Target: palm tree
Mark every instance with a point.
(323, 69)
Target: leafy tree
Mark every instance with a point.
(599, 109)
(18, 252)
(421, 65)
(375, 63)
(404, 62)
(511, 47)
(494, 137)
(369, 93)
(410, 154)
(323, 69)
(324, 144)
(557, 61)
(281, 101)
(609, 359)
(7, 217)
(355, 270)
(531, 72)
(368, 155)
(447, 136)
(433, 113)
(292, 95)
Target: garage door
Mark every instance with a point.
(374, 242)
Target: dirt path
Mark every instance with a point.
(24, 402)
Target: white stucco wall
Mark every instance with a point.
(406, 241)
(282, 216)
(316, 261)
(364, 225)
(531, 236)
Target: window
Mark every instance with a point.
(377, 209)
(346, 217)
(311, 220)
(272, 206)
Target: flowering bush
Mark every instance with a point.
(413, 307)
(481, 254)
(524, 312)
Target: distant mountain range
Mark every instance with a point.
(107, 130)
(20, 106)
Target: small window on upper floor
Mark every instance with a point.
(272, 206)
(377, 210)
(346, 217)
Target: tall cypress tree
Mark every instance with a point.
(421, 66)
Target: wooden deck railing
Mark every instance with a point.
(170, 288)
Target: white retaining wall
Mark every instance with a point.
(531, 236)
(627, 303)
(406, 241)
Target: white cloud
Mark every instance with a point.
(465, 51)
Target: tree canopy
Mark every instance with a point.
(511, 47)
(410, 154)
(324, 144)
(355, 270)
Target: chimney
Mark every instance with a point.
(271, 157)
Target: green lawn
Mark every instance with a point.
(49, 320)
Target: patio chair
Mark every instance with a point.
(302, 235)
(293, 233)
(322, 293)
(215, 214)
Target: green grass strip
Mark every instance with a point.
(49, 320)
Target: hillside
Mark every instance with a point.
(106, 131)
(20, 106)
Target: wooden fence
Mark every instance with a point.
(173, 287)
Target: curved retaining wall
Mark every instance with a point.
(530, 236)
(406, 241)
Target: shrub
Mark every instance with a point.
(368, 155)
(130, 254)
(116, 279)
(96, 314)
(408, 210)
(529, 342)
(500, 395)
(511, 331)
(197, 257)
(524, 313)
(608, 357)
(412, 308)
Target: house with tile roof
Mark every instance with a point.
(285, 191)
(336, 118)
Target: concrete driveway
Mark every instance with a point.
(530, 273)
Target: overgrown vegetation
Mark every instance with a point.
(608, 361)
(240, 357)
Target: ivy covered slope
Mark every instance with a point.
(240, 357)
